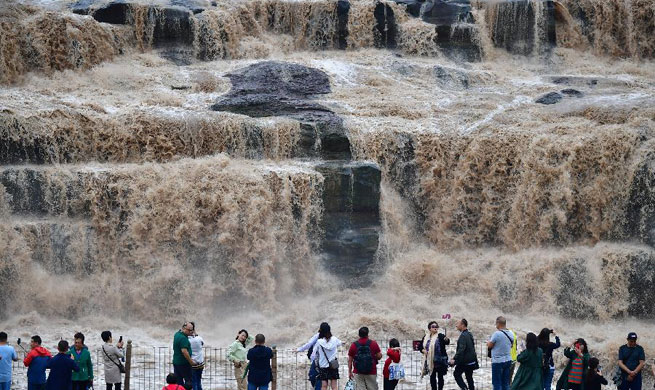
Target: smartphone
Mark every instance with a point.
(120, 339)
(416, 345)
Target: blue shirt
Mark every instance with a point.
(8, 354)
(502, 350)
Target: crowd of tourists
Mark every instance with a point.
(71, 367)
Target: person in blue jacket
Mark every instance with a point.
(259, 369)
(61, 369)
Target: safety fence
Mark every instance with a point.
(150, 365)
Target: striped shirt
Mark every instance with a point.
(575, 375)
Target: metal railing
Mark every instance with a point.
(150, 365)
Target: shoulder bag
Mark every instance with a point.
(334, 363)
(118, 364)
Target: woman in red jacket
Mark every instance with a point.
(393, 354)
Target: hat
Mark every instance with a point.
(632, 336)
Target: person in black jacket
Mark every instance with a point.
(548, 347)
(465, 359)
(595, 379)
(259, 368)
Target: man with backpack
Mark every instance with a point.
(363, 357)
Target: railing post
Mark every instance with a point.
(128, 364)
(274, 369)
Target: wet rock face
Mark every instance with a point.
(640, 213)
(386, 31)
(515, 27)
(446, 12)
(351, 219)
(283, 89)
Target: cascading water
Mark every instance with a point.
(361, 162)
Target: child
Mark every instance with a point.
(595, 378)
(393, 354)
(171, 380)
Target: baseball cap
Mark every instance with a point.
(632, 336)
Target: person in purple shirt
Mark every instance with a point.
(61, 369)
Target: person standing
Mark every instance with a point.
(182, 351)
(79, 352)
(435, 358)
(260, 373)
(61, 368)
(198, 356)
(236, 353)
(548, 347)
(572, 377)
(326, 351)
(465, 359)
(529, 376)
(393, 356)
(500, 345)
(112, 356)
(363, 357)
(7, 355)
(631, 360)
(36, 362)
(313, 368)
(594, 379)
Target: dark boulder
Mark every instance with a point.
(413, 6)
(572, 92)
(284, 89)
(451, 77)
(113, 13)
(446, 12)
(550, 98)
(458, 41)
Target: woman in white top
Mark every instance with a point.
(325, 351)
(198, 356)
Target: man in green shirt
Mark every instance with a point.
(182, 361)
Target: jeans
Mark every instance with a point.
(467, 370)
(116, 386)
(255, 387)
(5, 385)
(183, 373)
(634, 385)
(548, 378)
(500, 375)
(196, 379)
(33, 386)
(313, 376)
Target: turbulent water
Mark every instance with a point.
(126, 202)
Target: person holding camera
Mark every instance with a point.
(576, 370)
(112, 356)
(435, 357)
(595, 379)
(631, 360)
(548, 347)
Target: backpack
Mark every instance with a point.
(364, 358)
